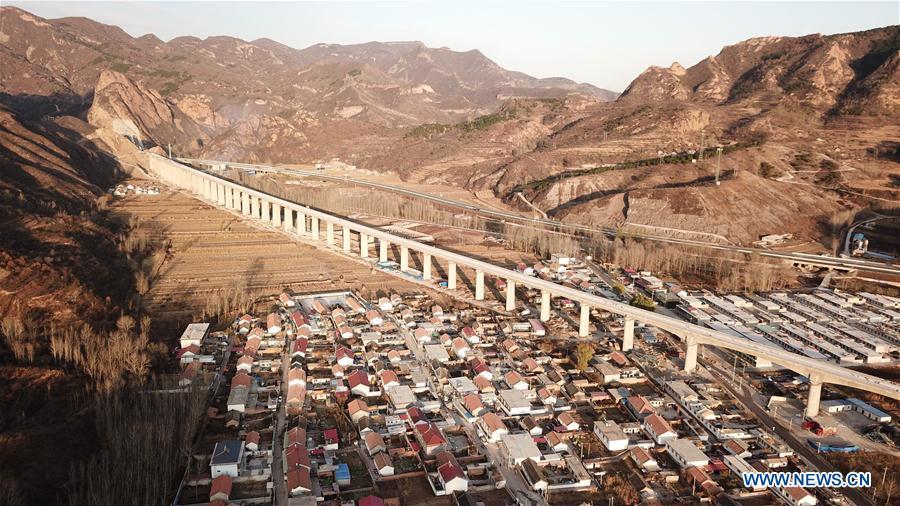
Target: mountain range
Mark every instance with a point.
(789, 104)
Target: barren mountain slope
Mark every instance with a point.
(810, 111)
(58, 255)
(814, 108)
(282, 95)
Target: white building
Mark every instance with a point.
(226, 458)
(514, 403)
(194, 333)
(739, 466)
(686, 454)
(401, 397)
(611, 435)
(516, 448)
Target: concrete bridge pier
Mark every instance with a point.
(329, 233)
(229, 198)
(245, 203)
(314, 227)
(264, 207)
(510, 295)
(584, 321)
(363, 245)
(690, 355)
(288, 223)
(426, 266)
(815, 395)
(345, 239)
(254, 206)
(451, 275)
(220, 194)
(383, 250)
(276, 215)
(545, 305)
(628, 335)
(479, 285)
(404, 258)
(301, 223)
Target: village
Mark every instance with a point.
(397, 399)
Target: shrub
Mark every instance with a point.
(643, 302)
(768, 171)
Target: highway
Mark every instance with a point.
(800, 258)
(828, 372)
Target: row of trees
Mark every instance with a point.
(723, 271)
(146, 436)
(108, 358)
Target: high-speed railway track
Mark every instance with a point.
(837, 263)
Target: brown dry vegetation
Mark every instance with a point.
(884, 468)
(723, 271)
(217, 263)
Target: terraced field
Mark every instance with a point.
(211, 251)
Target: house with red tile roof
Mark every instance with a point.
(298, 481)
(492, 426)
(187, 354)
(515, 380)
(374, 317)
(531, 366)
(358, 381)
(659, 429)
(388, 378)
(241, 379)
(296, 396)
(430, 438)
(384, 464)
(332, 439)
(460, 348)
(299, 347)
(296, 457)
(567, 420)
(374, 442)
(189, 373)
(296, 436)
(473, 404)
(300, 320)
(370, 500)
(245, 363)
(297, 376)
(357, 409)
(450, 473)
(639, 406)
(344, 356)
(273, 323)
(251, 441)
(220, 490)
(484, 384)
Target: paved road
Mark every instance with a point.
(515, 483)
(818, 260)
(745, 396)
(849, 234)
(281, 495)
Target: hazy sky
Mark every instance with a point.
(606, 44)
